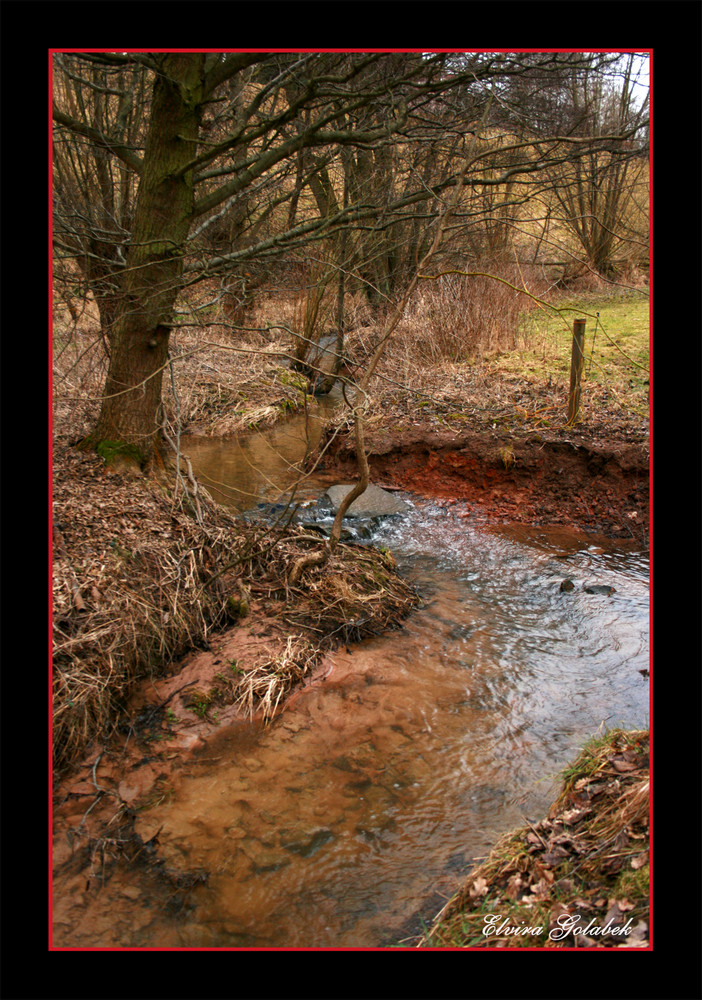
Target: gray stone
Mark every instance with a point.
(373, 502)
(323, 355)
(599, 588)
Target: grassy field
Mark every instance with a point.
(616, 344)
(522, 388)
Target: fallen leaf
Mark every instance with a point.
(535, 841)
(591, 788)
(638, 938)
(558, 911)
(554, 857)
(621, 765)
(514, 886)
(584, 941)
(479, 887)
(572, 816)
(617, 910)
(639, 861)
(541, 890)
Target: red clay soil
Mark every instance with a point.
(597, 486)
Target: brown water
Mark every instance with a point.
(351, 819)
(240, 471)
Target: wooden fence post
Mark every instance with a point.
(577, 363)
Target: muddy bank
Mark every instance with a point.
(166, 718)
(143, 715)
(142, 576)
(586, 483)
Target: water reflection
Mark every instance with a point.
(240, 471)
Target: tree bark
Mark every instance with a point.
(150, 284)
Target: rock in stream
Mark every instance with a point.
(373, 502)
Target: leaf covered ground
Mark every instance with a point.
(141, 577)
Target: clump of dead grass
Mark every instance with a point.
(263, 687)
(130, 589)
(355, 593)
(586, 863)
(463, 318)
(225, 385)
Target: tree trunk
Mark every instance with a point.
(151, 281)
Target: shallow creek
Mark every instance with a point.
(262, 465)
(351, 818)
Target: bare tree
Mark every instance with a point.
(173, 169)
(592, 195)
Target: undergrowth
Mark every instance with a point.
(139, 580)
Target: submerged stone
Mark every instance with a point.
(373, 502)
(599, 588)
(567, 585)
(309, 845)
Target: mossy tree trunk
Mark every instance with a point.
(163, 215)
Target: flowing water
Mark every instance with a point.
(350, 819)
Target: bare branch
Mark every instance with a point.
(80, 128)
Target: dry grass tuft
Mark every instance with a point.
(131, 589)
(460, 318)
(263, 687)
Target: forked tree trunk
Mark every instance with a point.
(139, 348)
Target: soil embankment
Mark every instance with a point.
(599, 486)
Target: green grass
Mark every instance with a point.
(616, 341)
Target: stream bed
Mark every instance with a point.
(350, 819)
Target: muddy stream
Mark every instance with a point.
(353, 817)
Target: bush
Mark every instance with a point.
(460, 318)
